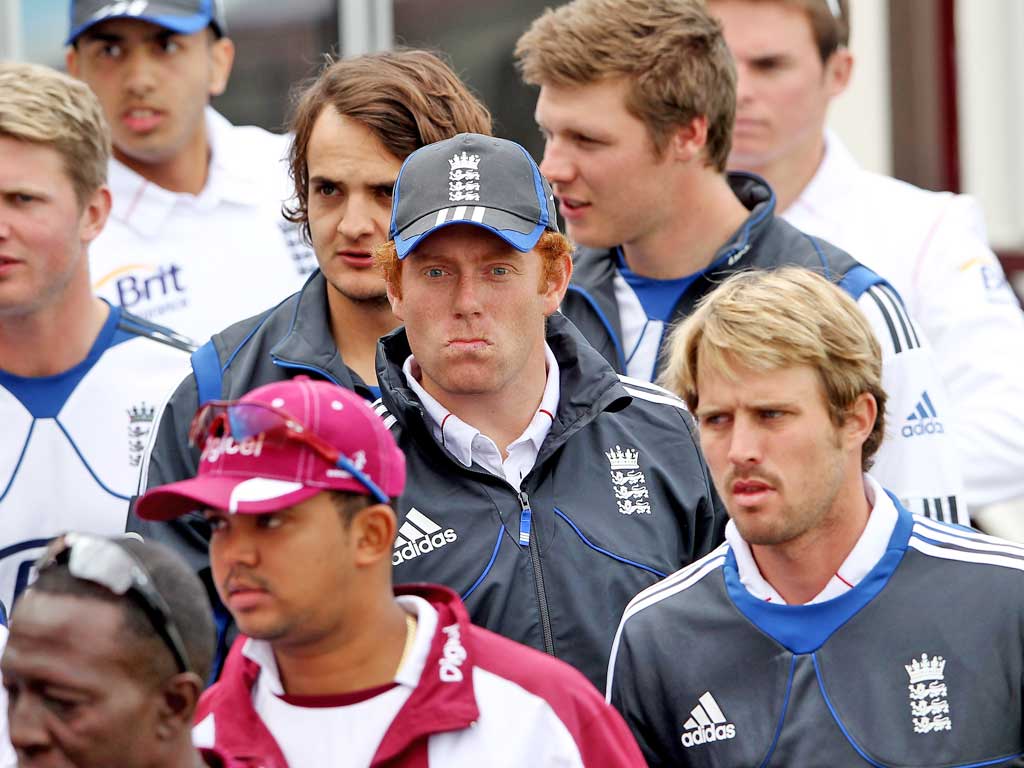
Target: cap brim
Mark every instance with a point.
(237, 495)
(514, 230)
(182, 25)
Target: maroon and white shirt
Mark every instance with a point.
(463, 697)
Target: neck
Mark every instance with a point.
(790, 174)
(502, 415)
(356, 328)
(709, 214)
(365, 653)
(799, 569)
(51, 341)
(185, 172)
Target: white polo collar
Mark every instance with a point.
(145, 207)
(464, 441)
(862, 558)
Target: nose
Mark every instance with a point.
(557, 165)
(744, 84)
(359, 220)
(466, 301)
(140, 72)
(25, 722)
(231, 546)
(745, 446)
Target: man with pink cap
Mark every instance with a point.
(333, 665)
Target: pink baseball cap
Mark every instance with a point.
(281, 444)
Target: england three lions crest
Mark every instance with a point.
(140, 422)
(628, 481)
(464, 178)
(929, 707)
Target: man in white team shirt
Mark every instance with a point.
(80, 380)
(792, 60)
(196, 238)
(334, 667)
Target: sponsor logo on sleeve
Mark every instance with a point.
(923, 420)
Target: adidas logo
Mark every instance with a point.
(706, 723)
(418, 536)
(923, 420)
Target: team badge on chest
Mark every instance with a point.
(929, 707)
(628, 481)
(140, 422)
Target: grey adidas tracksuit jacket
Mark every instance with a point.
(918, 460)
(619, 496)
(921, 664)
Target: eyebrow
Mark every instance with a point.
(320, 179)
(112, 37)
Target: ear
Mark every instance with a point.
(395, 296)
(688, 141)
(557, 287)
(860, 420)
(838, 71)
(179, 697)
(94, 215)
(71, 61)
(222, 58)
(372, 532)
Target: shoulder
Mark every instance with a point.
(130, 326)
(677, 587)
(258, 333)
(514, 667)
(884, 309)
(782, 244)
(652, 411)
(949, 546)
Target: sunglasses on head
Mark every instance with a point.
(241, 420)
(102, 561)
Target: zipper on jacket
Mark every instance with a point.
(526, 539)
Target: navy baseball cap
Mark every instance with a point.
(185, 17)
(471, 179)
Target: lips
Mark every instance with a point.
(750, 491)
(468, 344)
(141, 119)
(571, 208)
(357, 259)
(244, 596)
(750, 486)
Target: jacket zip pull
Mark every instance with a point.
(525, 520)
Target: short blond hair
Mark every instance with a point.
(767, 320)
(43, 106)
(672, 51)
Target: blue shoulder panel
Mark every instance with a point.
(858, 280)
(44, 396)
(804, 628)
(207, 370)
